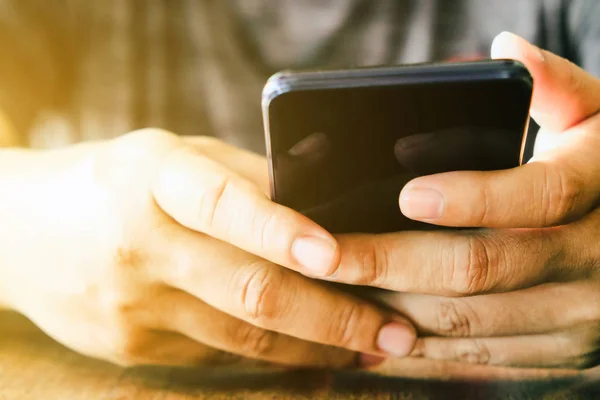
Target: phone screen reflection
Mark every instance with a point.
(343, 158)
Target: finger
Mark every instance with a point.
(245, 163)
(537, 310)
(207, 197)
(560, 186)
(557, 188)
(455, 263)
(276, 299)
(183, 313)
(534, 351)
(564, 94)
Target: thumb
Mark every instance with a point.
(563, 94)
(560, 186)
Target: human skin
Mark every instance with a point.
(153, 249)
(523, 289)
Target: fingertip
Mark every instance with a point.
(422, 203)
(318, 254)
(502, 44)
(507, 45)
(397, 338)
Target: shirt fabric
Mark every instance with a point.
(74, 70)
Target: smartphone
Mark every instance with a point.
(341, 144)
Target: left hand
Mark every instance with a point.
(524, 291)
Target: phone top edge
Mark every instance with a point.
(290, 80)
(378, 70)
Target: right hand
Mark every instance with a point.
(153, 249)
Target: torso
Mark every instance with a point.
(198, 66)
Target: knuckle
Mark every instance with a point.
(127, 268)
(229, 204)
(562, 192)
(575, 83)
(482, 213)
(207, 141)
(151, 136)
(265, 228)
(474, 352)
(345, 324)
(260, 294)
(135, 153)
(454, 318)
(470, 267)
(141, 143)
(374, 266)
(256, 342)
(212, 201)
(128, 258)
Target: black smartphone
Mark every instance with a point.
(341, 144)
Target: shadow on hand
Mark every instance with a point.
(362, 385)
(462, 389)
(29, 356)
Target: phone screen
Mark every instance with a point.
(341, 156)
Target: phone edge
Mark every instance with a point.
(282, 82)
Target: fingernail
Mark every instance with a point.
(396, 339)
(422, 203)
(369, 360)
(507, 39)
(315, 254)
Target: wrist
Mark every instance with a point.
(11, 171)
(22, 176)
(36, 198)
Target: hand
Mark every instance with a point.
(525, 297)
(151, 249)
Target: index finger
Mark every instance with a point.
(453, 263)
(206, 196)
(245, 163)
(277, 299)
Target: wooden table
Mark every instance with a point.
(32, 366)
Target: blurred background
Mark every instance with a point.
(74, 70)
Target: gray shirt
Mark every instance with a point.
(75, 70)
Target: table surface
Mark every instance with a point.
(32, 366)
